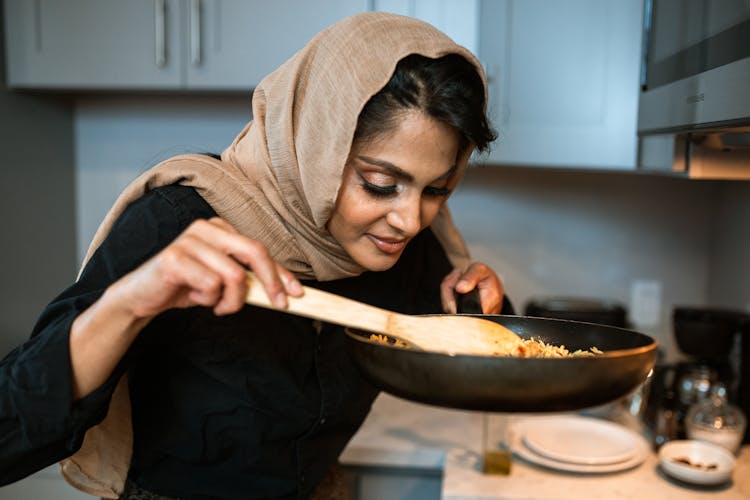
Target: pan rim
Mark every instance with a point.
(606, 355)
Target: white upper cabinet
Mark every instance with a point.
(564, 81)
(233, 44)
(563, 74)
(159, 44)
(92, 43)
(459, 19)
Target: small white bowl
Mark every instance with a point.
(697, 462)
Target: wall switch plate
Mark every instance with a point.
(645, 302)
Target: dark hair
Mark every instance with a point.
(448, 89)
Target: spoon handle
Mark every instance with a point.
(324, 306)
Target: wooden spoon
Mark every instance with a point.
(451, 334)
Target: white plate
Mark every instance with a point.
(579, 440)
(517, 444)
(698, 453)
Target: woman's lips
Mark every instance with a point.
(388, 245)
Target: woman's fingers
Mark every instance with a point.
(490, 287)
(291, 284)
(447, 291)
(206, 265)
(237, 251)
(234, 251)
(172, 278)
(229, 292)
(479, 276)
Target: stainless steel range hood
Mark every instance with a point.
(694, 106)
(720, 153)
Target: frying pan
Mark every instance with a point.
(511, 384)
(475, 381)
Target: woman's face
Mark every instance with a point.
(392, 188)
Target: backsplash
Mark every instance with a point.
(118, 138)
(592, 235)
(729, 283)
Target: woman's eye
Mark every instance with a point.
(377, 190)
(436, 191)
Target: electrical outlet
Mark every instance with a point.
(645, 302)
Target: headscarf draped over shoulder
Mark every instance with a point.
(277, 182)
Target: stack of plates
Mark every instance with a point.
(577, 444)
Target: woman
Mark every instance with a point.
(340, 180)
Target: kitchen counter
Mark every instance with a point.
(401, 434)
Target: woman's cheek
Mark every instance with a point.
(430, 210)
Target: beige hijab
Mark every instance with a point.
(278, 180)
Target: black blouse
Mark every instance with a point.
(257, 404)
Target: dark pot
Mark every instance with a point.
(706, 333)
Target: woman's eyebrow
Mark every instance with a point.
(402, 174)
(447, 174)
(392, 169)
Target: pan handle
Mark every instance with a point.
(468, 303)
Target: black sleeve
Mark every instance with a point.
(40, 423)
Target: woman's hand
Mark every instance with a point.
(201, 267)
(479, 276)
(204, 267)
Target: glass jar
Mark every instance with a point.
(497, 456)
(695, 383)
(716, 420)
(665, 422)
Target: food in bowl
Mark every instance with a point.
(696, 462)
(697, 465)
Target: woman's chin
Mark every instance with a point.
(378, 263)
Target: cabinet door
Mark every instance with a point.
(233, 44)
(459, 19)
(92, 43)
(564, 81)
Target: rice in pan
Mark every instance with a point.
(527, 348)
(532, 348)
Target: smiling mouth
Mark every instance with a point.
(388, 245)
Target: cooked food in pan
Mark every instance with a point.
(509, 383)
(532, 348)
(527, 348)
(384, 339)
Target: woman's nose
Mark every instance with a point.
(406, 218)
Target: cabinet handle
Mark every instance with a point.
(195, 32)
(38, 25)
(160, 31)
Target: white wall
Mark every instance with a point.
(730, 257)
(37, 254)
(590, 234)
(118, 138)
(546, 231)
